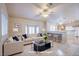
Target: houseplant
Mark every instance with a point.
(45, 36)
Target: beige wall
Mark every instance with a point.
(23, 22)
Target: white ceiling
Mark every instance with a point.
(28, 10)
(60, 12)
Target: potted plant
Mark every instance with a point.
(45, 36)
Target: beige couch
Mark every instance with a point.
(11, 48)
(30, 40)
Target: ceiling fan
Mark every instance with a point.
(44, 12)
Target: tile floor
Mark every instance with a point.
(58, 49)
(68, 47)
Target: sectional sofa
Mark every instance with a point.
(16, 44)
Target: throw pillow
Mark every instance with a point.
(24, 35)
(15, 38)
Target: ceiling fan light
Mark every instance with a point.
(45, 15)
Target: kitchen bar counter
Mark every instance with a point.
(55, 36)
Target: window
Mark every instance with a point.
(26, 30)
(32, 29)
(4, 24)
(37, 29)
(69, 28)
(52, 28)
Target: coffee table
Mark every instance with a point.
(41, 46)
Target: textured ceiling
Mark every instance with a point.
(60, 12)
(28, 10)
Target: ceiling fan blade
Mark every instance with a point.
(36, 5)
(38, 15)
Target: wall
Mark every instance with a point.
(0, 21)
(23, 22)
(3, 25)
(0, 33)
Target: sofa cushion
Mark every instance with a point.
(20, 38)
(15, 38)
(40, 34)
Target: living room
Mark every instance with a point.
(39, 29)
